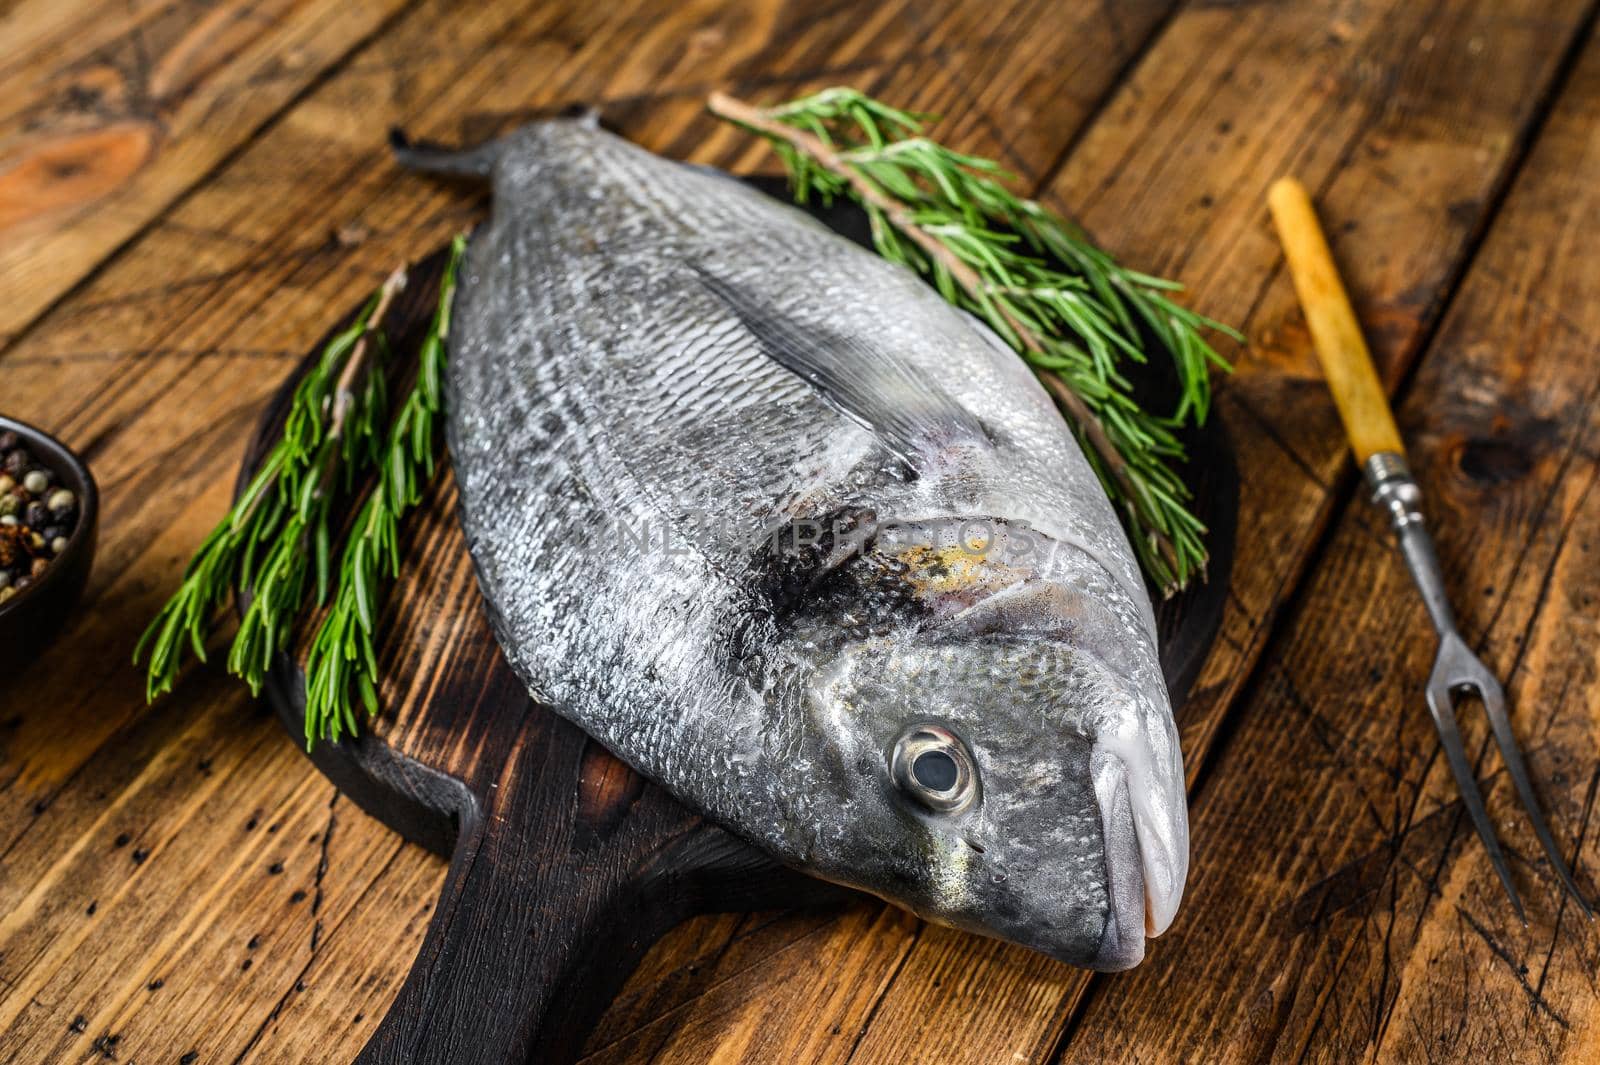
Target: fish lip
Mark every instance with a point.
(1122, 942)
(1156, 804)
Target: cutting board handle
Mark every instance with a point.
(550, 903)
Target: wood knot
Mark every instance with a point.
(607, 789)
(71, 172)
(1490, 461)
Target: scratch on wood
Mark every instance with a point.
(1518, 970)
(322, 872)
(1275, 434)
(1572, 861)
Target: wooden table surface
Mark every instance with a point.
(190, 191)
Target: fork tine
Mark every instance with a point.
(1444, 719)
(1494, 704)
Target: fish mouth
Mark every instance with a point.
(1127, 918)
(1126, 897)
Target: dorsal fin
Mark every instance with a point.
(868, 383)
(427, 158)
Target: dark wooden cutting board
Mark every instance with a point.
(565, 865)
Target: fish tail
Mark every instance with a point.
(428, 158)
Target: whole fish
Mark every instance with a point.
(808, 547)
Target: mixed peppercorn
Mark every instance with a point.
(37, 516)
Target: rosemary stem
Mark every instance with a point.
(355, 364)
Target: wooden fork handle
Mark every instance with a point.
(1346, 362)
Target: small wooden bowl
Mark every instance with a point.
(32, 617)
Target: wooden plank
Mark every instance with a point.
(109, 116)
(156, 368)
(1343, 907)
(337, 1002)
(1406, 118)
(209, 873)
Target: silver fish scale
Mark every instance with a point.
(600, 392)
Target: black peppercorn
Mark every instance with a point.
(37, 517)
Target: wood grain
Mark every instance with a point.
(1406, 120)
(108, 117)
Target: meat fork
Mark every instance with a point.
(1364, 409)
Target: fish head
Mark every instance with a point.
(1008, 763)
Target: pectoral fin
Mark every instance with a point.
(865, 381)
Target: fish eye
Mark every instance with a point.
(933, 766)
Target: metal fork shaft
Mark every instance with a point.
(1455, 666)
(1394, 491)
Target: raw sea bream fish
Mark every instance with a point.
(808, 547)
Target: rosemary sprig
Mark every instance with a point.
(278, 585)
(343, 653)
(286, 496)
(951, 218)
